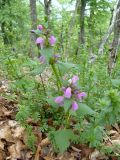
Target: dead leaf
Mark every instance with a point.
(17, 133)
(116, 126)
(5, 133)
(1, 145)
(75, 149)
(116, 142)
(45, 142)
(48, 158)
(29, 155)
(94, 155)
(1, 155)
(12, 123)
(37, 154)
(15, 150)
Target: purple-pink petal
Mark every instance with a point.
(59, 99)
(76, 91)
(40, 27)
(52, 40)
(40, 40)
(57, 56)
(42, 59)
(81, 95)
(68, 93)
(75, 79)
(74, 106)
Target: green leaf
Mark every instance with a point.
(64, 67)
(38, 70)
(62, 139)
(37, 32)
(67, 104)
(47, 53)
(116, 82)
(51, 101)
(84, 110)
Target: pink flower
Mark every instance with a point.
(52, 40)
(59, 99)
(40, 27)
(67, 93)
(42, 59)
(40, 41)
(74, 106)
(81, 95)
(75, 79)
(56, 57)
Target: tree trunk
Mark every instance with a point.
(110, 29)
(91, 26)
(47, 4)
(5, 27)
(33, 14)
(82, 21)
(72, 23)
(116, 42)
(81, 34)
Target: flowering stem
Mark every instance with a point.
(43, 84)
(67, 119)
(57, 76)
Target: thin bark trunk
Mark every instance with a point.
(7, 39)
(47, 4)
(116, 42)
(91, 25)
(33, 14)
(81, 34)
(82, 21)
(110, 29)
(72, 22)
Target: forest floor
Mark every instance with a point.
(13, 139)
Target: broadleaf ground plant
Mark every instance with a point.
(71, 98)
(67, 108)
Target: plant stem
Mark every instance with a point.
(43, 84)
(57, 76)
(67, 120)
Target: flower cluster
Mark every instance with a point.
(40, 27)
(71, 92)
(41, 41)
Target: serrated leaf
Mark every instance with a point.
(84, 110)
(67, 104)
(47, 53)
(64, 67)
(37, 71)
(115, 82)
(37, 32)
(51, 101)
(62, 139)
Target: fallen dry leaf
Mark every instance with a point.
(5, 133)
(29, 155)
(1, 155)
(17, 133)
(116, 142)
(45, 142)
(12, 123)
(37, 154)
(94, 155)
(1, 145)
(15, 150)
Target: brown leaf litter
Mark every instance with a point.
(13, 138)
